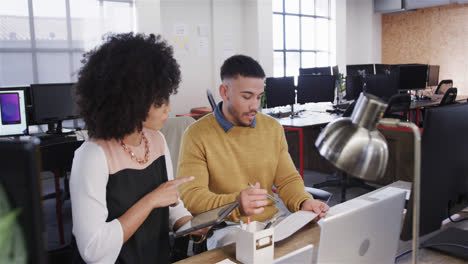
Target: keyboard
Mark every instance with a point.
(341, 106)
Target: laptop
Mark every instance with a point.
(363, 230)
(302, 255)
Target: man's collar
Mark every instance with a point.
(223, 122)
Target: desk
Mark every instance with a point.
(417, 105)
(310, 234)
(310, 115)
(57, 156)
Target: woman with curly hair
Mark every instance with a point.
(124, 198)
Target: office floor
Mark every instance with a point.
(310, 178)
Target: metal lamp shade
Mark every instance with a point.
(354, 144)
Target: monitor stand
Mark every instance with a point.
(293, 114)
(453, 241)
(54, 128)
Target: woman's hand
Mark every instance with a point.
(167, 194)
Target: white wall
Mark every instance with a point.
(227, 27)
(245, 27)
(148, 16)
(363, 32)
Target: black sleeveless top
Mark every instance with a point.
(150, 243)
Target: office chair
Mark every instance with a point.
(449, 97)
(398, 106)
(211, 99)
(444, 84)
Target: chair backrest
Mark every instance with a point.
(449, 97)
(443, 86)
(173, 131)
(354, 85)
(398, 103)
(349, 110)
(315, 88)
(382, 85)
(211, 99)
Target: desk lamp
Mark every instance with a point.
(355, 146)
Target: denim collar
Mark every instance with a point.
(226, 125)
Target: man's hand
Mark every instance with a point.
(251, 201)
(315, 206)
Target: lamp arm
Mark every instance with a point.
(417, 177)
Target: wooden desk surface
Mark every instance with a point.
(310, 234)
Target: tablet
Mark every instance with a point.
(205, 219)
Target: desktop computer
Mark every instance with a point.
(315, 71)
(13, 112)
(433, 75)
(52, 104)
(280, 91)
(19, 179)
(444, 178)
(360, 69)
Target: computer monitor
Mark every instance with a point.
(315, 88)
(280, 91)
(315, 71)
(354, 86)
(13, 112)
(360, 69)
(335, 71)
(381, 85)
(53, 103)
(433, 75)
(444, 174)
(383, 69)
(412, 76)
(19, 179)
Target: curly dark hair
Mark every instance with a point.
(121, 79)
(241, 65)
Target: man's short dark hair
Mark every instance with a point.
(121, 80)
(241, 65)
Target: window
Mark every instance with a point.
(303, 35)
(42, 41)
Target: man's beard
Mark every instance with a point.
(237, 116)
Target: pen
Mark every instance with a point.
(269, 196)
(268, 225)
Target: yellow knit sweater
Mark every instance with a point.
(224, 163)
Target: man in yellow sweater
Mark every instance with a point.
(235, 146)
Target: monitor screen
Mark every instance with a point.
(383, 69)
(315, 88)
(315, 71)
(20, 192)
(280, 91)
(53, 102)
(335, 71)
(433, 75)
(13, 112)
(444, 168)
(360, 69)
(412, 77)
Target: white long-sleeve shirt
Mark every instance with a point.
(100, 241)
